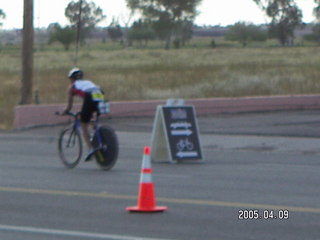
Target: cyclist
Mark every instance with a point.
(91, 95)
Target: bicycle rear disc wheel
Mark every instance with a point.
(70, 147)
(107, 154)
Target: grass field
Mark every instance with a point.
(140, 74)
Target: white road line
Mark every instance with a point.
(67, 233)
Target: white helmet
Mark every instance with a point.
(75, 73)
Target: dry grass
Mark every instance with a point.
(158, 74)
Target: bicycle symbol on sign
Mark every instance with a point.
(184, 144)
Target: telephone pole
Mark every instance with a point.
(27, 53)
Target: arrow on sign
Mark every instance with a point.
(181, 132)
(187, 154)
(180, 125)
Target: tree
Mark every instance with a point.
(84, 18)
(186, 32)
(115, 31)
(315, 35)
(165, 14)
(163, 28)
(2, 16)
(316, 10)
(245, 32)
(66, 35)
(285, 18)
(141, 31)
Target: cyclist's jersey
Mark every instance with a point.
(83, 87)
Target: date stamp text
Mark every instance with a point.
(255, 214)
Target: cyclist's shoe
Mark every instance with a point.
(91, 152)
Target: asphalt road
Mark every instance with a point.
(264, 163)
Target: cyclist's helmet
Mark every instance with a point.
(75, 73)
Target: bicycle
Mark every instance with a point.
(104, 141)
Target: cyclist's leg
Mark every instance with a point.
(88, 108)
(86, 134)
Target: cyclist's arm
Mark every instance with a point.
(70, 101)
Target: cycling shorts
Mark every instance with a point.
(88, 108)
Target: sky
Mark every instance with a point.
(211, 12)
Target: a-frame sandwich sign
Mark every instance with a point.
(175, 135)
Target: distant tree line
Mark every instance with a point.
(244, 33)
(172, 21)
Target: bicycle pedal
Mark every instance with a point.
(89, 156)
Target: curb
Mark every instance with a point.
(33, 115)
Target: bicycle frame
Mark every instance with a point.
(76, 125)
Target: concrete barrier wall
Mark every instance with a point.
(255, 104)
(33, 115)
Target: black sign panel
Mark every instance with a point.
(182, 132)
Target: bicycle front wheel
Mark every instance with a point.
(108, 147)
(70, 147)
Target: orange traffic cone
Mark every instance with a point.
(146, 199)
